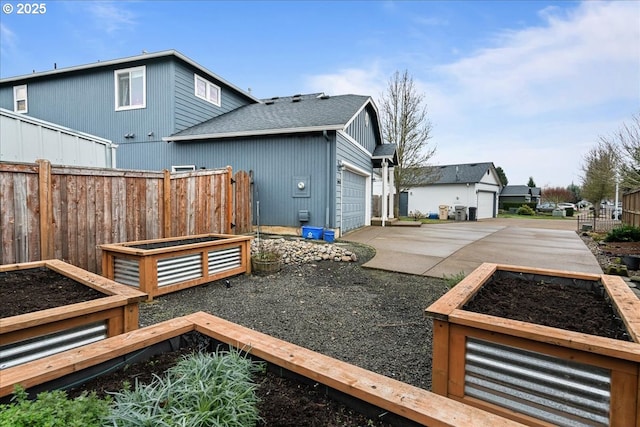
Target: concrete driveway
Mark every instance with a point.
(453, 247)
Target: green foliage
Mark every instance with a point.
(503, 176)
(201, 390)
(625, 233)
(525, 210)
(531, 183)
(569, 211)
(516, 205)
(53, 409)
(454, 279)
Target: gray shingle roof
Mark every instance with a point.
(279, 115)
(454, 174)
(516, 190)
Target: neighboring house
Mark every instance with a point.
(310, 154)
(25, 139)
(519, 194)
(475, 185)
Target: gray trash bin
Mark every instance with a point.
(461, 213)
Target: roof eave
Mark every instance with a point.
(260, 132)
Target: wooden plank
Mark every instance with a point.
(411, 402)
(91, 223)
(462, 292)
(7, 219)
(33, 218)
(46, 210)
(51, 315)
(82, 221)
(625, 302)
(624, 389)
(624, 350)
(166, 204)
(72, 219)
(440, 358)
(20, 231)
(58, 365)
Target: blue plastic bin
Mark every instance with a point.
(309, 232)
(329, 236)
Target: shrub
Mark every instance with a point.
(625, 233)
(525, 210)
(53, 409)
(201, 390)
(454, 279)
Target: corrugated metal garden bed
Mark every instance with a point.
(395, 402)
(161, 266)
(539, 372)
(40, 333)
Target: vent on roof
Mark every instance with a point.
(269, 102)
(324, 96)
(296, 98)
(275, 98)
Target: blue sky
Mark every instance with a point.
(528, 85)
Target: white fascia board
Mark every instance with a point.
(375, 109)
(355, 169)
(251, 133)
(364, 105)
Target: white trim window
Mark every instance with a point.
(130, 88)
(206, 90)
(20, 99)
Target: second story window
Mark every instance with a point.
(207, 90)
(131, 88)
(20, 99)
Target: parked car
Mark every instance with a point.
(546, 207)
(567, 205)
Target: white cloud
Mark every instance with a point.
(111, 16)
(585, 58)
(359, 81)
(8, 37)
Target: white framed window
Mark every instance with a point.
(130, 88)
(20, 99)
(183, 168)
(207, 90)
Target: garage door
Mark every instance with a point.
(353, 201)
(486, 203)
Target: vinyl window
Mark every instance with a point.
(131, 88)
(20, 99)
(207, 90)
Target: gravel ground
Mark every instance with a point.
(372, 319)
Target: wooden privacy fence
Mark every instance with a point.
(65, 212)
(631, 208)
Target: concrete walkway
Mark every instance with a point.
(450, 248)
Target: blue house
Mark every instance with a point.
(312, 156)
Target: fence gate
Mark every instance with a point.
(243, 202)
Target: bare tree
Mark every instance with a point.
(599, 180)
(626, 143)
(405, 123)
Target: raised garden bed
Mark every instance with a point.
(390, 398)
(162, 266)
(35, 326)
(498, 351)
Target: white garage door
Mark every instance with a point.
(486, 202)
(353, 201)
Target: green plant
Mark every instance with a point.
(625, 233)
(53, 409)
(201, 390)
(454, 279)
(525, 210)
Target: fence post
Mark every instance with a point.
(229, 200)
(166, 204)
(45, 200)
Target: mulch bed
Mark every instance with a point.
(550, 304)
(35, 289)
(283, 402)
